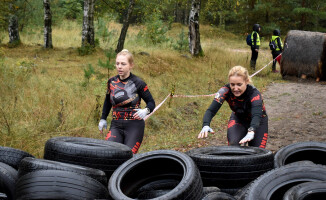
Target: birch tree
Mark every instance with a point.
(194, 35)
(125, 26)
(47, 24)
(88, 24)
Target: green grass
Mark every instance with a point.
(43, 96)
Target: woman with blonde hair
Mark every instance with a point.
(124, 94)
(248, 121)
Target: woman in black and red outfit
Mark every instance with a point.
(248, 121)
(124, 94)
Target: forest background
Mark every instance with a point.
(46, 93)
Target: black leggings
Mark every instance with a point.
(128, 132)
(238, 130)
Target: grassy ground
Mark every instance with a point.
(45, 94)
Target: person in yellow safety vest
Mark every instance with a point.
(278, 49)
(255, 43)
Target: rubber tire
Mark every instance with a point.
(29, 164)
(58, 184)
(312, 151)
(12, 156)
(3, 196)
(152, 194)
(207, 190)
(8, 178)
(273, 184)
(231, 167)
(218, 196)
(305, 191)
(164, 184)
(153, 166)
(94, 153)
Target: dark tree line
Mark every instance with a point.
(231, 15)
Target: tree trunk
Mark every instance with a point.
(125, 27)
(194, 36)
(88, 23)
(13, 28)
(47, 24)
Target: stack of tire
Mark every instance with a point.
(85, 168)
(73, 168)
(230, 168)
(10, 159)
(159, 175)
(299, 173)
(94, 153)
(45, 179)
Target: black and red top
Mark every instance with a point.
(249, 107)
(125, 96)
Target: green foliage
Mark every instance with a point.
(71, 9)
(86, 49)
(156, 29)
(88, 73)
(109, 63)
(14, 44)
(102, 32)
(182, 43)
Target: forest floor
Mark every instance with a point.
(296, 111)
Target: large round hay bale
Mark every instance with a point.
(304, 54)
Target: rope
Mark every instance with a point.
(189, 96)
(205, 95)
(264, 66)
(157, 107)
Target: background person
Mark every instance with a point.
(278, 48)
(248, 121)
(124, 94)
(255, 44)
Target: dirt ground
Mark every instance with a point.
(296, 111)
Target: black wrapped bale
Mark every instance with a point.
(304, 54)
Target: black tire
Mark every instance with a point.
(218, 196)
(8, 178)
(241, 193)
(207, 190)
(98, 154)
(309, 190)
(28, 165)
(3, 196)
(12, 156)
(273, 184)
(154, 166)
(312, 151)
(164, 184)
(231, 167)
(58, 184)
(152, 194)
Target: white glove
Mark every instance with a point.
(102, 124)
(141, 113)
(250, 135)
(204, 132)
